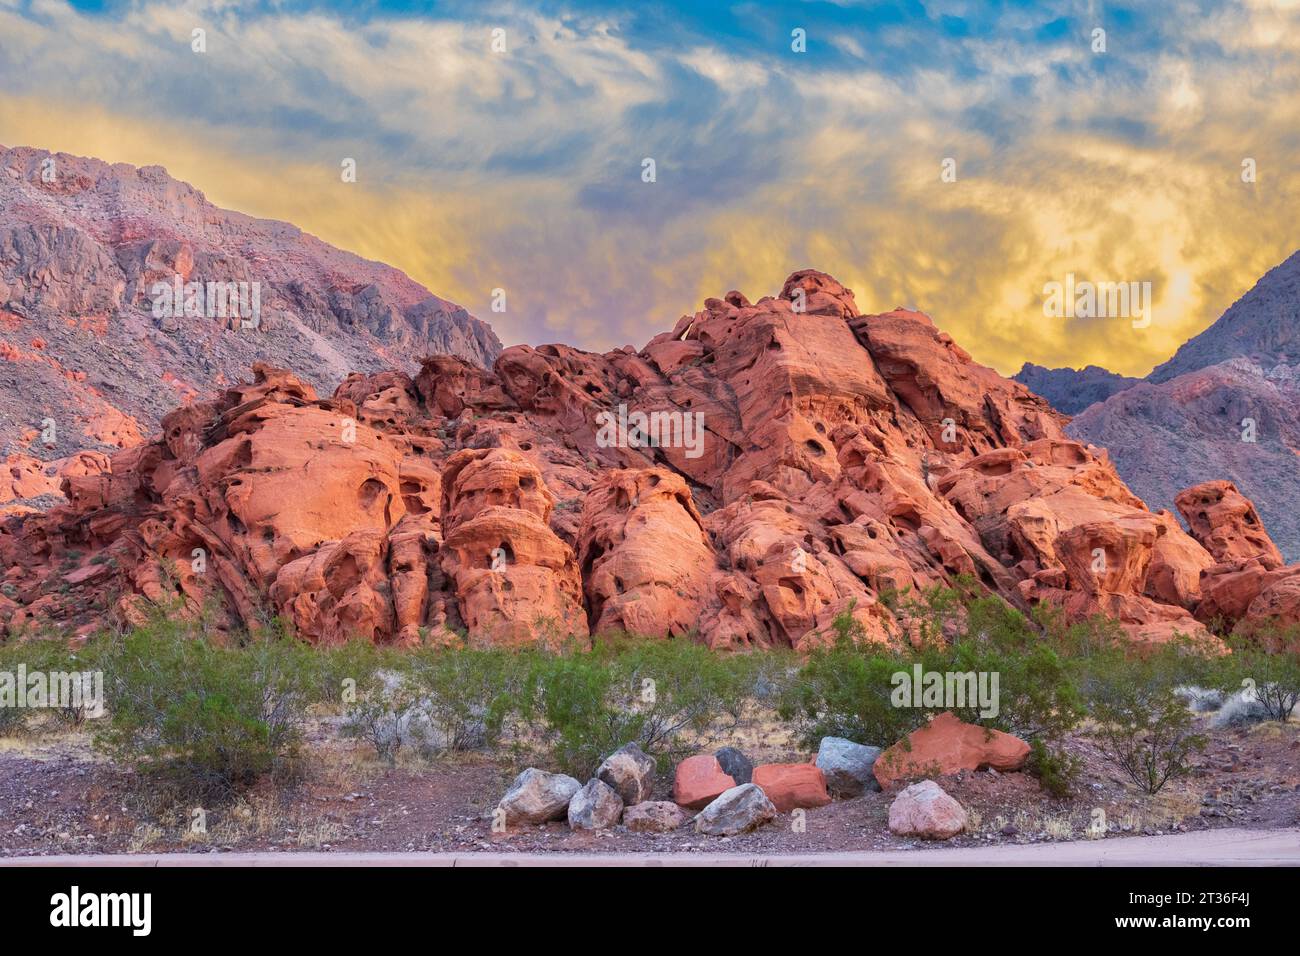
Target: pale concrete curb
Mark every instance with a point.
(1227, 847)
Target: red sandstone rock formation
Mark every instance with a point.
(743, 479)
(1247, 581)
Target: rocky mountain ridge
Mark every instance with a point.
(844, 457)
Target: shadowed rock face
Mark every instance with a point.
(82, 245)
(838, 455)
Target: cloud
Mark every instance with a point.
(482, 170)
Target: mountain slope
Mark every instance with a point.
(1194, 418)
(1165, 437)
(1263, 326)
(85, 362)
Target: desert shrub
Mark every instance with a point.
(845, 689)
(345, 672)
(1056, 768)
(387, 714)
(1145, 728)
(201, 719)
(848, 688)
(52, 655)
(648, 691)
(1265, 667)
(13, 719)
(468, 695)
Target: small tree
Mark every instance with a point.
(1146, 730)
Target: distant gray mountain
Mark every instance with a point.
(1072, 390)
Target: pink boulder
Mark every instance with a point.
(924, 810)
(699, 781)
(791, 785)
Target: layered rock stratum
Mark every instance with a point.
(809, 461)
(87, 366)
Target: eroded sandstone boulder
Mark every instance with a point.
(946, 745)
(698, 781)
(792, 786)
(655, 816)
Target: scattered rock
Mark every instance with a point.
(738, 810)
(597, 806)
(924, 810)
(735, 765)
(699, 780)
(847, 766)
(538, 797)
(631, 772)
(792, 785)
(654, 816)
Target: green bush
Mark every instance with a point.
(468, 695)
(1269, 661)
(386, 714)
(1056, 768)
(650, 692)
(205, 720)
(847, 689)
(1145, 728)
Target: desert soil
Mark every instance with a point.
(59, 796)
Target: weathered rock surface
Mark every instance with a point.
(946, 745)
(698, 781)
(738, 810)
(847, 766)
(538, 797)
(631, 772)
(655, 816)
(1226, 524)
(924, 810)
(792, 785)
(735, 764)
(835, 456)
(597, 806)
